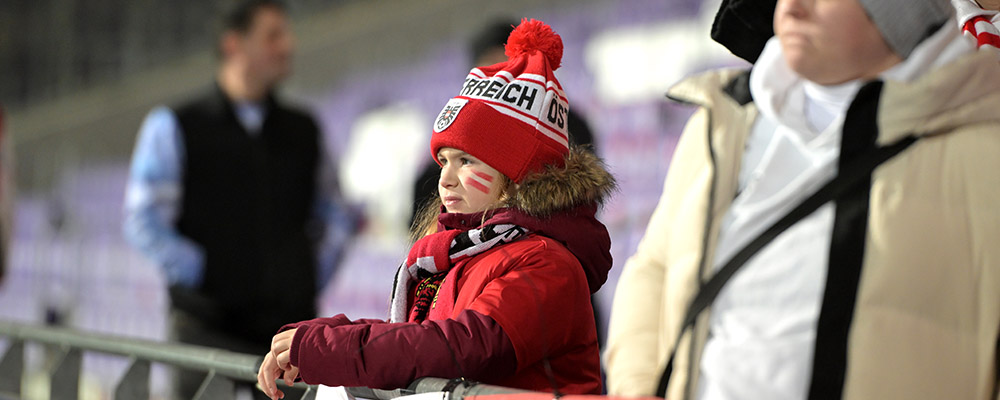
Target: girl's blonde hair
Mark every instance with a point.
(426, 222)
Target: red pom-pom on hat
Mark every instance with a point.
(534, 35)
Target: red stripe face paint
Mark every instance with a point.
(484, 175)
(470, 181)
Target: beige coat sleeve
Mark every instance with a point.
(632, 356)
(636, 341)
(977, 159)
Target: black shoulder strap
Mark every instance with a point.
(996, 371)
(846, 178)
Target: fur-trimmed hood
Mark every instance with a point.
(583, 180)
(560, 203)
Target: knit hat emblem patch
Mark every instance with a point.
(448, 114)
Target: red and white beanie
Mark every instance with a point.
(511, 115)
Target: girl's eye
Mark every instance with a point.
(465, 161)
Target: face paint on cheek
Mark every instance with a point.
(471, 181)
(486, 177)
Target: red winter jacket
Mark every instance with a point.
(500, 315)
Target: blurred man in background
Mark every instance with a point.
(229, 193)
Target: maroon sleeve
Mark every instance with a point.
(336, 320)
(385, 355)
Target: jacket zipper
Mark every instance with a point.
(705, 235)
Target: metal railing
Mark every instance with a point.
(222, 368)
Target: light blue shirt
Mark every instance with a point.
(154, 191)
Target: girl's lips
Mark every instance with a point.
(451, 200)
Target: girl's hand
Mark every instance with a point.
(267, 375)
(277, 363)
(280, 346)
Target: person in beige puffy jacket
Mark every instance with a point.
(889, 290)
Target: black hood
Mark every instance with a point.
(744, 26)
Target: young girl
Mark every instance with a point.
(497, 287)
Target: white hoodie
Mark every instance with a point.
(763, 324)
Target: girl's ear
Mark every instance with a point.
(508, 189)
(229, 43)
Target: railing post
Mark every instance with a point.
(135, 383)
(64, 381)
(216, 387)
(310, 393)
(12, 369)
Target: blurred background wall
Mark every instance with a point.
(78, 77)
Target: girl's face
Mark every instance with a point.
(467, 185)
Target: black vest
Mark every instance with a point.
(247, 201)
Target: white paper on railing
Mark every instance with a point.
(340, 393)
(426, 396)
(332, 393)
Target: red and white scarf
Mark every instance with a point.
(432, 256)
(982, 25)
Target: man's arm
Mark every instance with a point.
(337, 220)
(7, 196)
(153, 200)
